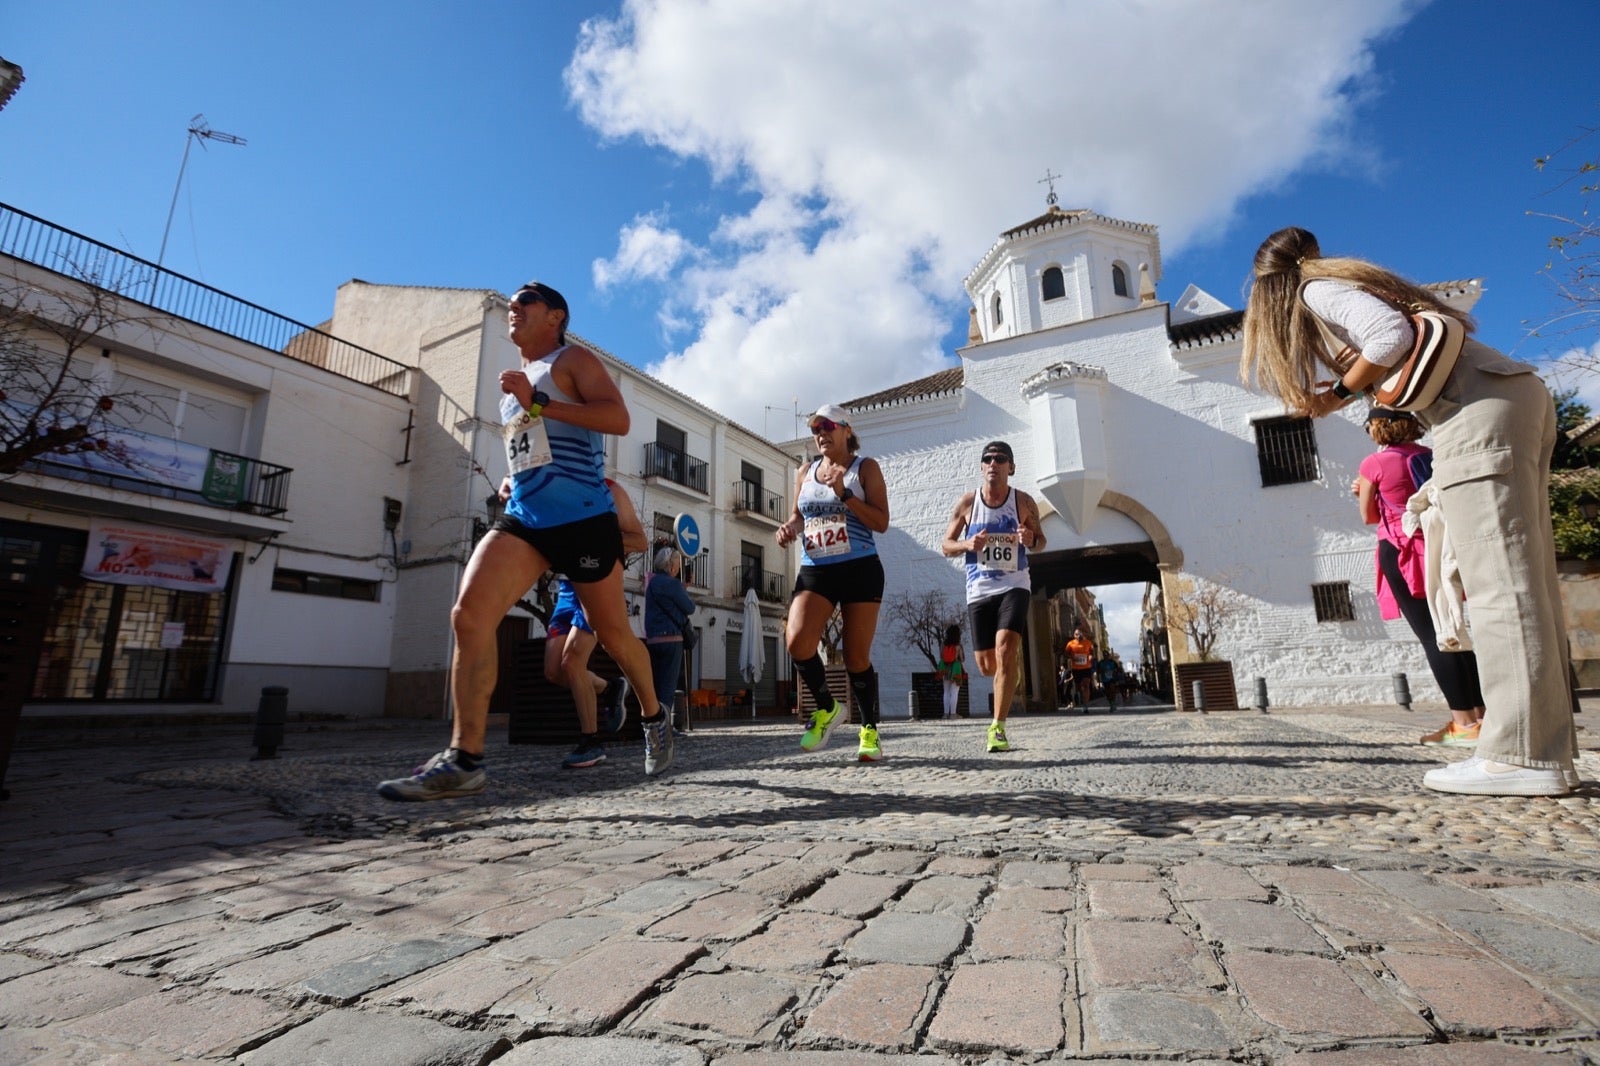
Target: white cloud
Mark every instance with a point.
(1577, 368)
(887, 144)
(644, 251)
(1122, 606)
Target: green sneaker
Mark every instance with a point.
(869, 751)
(997, 737)
(816, 737)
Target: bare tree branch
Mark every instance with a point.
(1574, 268)
(921, 618)
(54, 398)
(1202, 610)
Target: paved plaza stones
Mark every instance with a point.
(1231, 887)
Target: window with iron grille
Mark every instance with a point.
(1332, 601)
(1287, 450)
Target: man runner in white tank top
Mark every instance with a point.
(994, 528)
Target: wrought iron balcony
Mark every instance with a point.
(72, 255)
(769, 587)
(749, 498)
(140, 462)
(696, 573)
(675, 466)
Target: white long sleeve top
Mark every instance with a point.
(1380, 333)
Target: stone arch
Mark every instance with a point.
(1169, 557)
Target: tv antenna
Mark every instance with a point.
(771, 408)
(200, 131)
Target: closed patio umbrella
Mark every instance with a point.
(752, 660)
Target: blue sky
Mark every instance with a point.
(773, 205)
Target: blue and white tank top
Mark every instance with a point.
(572, 485)
(1004, 562)
(833, 534)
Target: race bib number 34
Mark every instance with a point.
(826, 536)
(527, 446)
(999, 553)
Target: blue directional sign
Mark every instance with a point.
(687, 534)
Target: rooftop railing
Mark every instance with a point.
(83, 259)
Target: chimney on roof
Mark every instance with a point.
(973, 335)
(1147, 287)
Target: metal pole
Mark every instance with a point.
(188, 142)
(1261, 694)
(1200, 696)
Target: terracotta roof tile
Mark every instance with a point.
(935, 384)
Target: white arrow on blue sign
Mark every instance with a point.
(687, 534)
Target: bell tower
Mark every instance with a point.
(1060, 268)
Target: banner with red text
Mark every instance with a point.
(124, 553)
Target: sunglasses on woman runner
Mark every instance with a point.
(824, 425)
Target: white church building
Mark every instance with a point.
(1150, 460)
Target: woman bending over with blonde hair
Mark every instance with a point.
(1494, 428)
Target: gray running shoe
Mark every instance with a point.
(438, 778)
(614, 705)
(657, 746)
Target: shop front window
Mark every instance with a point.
(113, 643)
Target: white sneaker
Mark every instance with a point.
(1483, 777)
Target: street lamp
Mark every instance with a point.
(198, 131)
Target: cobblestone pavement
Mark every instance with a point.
(1231, 887)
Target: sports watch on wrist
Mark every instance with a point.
(846, 496)
(540, 398)
(1342, 391)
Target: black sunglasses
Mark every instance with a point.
(996, 458)
(528, 296)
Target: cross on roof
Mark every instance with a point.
(1050, 179)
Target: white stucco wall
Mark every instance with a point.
(1179, 440)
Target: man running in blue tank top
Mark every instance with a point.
(994, 528)
(556, 408)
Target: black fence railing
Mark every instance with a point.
(696, 573)
(255, 487)
(677, 467)
(83, 259)
(750, 498)
(769, 587)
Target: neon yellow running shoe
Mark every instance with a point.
(997, 737)
(869, 751)
(816, 737)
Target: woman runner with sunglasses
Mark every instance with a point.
(840, 501)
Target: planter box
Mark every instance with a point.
(1216, 680)
(839, 685)
(929, 688)
(542, 713)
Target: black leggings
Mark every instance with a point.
(1455, 671)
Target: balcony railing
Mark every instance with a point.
(675, 466)
(696, 573)
(83, 259)
(769, 587)
(750, 498)
(216, 479)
